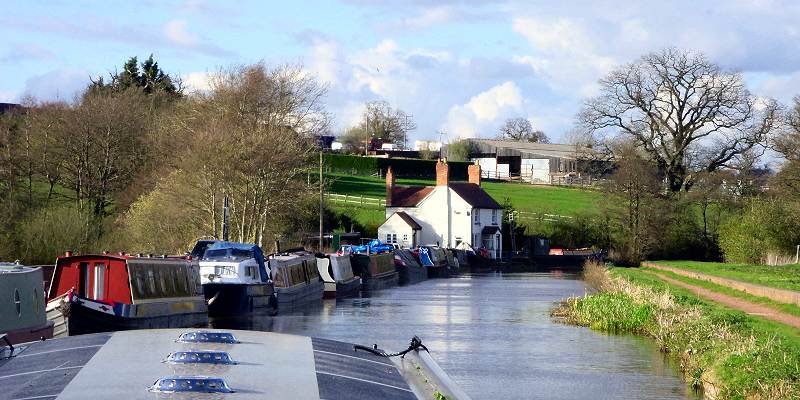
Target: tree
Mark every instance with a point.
(381, 121)
(150, 78)
(687, 113)
(521, 130)
(459, 150)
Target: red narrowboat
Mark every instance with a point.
(99, 293)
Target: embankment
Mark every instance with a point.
(727, 353)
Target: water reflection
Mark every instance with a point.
(493, 334)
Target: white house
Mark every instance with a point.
(446, 214)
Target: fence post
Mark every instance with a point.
(361, 199)
(797, 255)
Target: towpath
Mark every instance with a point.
(736, 302)
(775, 294)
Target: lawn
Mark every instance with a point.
(523, 197)
(782, 277)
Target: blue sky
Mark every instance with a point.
(458, 66)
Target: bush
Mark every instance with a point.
(49, 232)
(402, 167)
(765, 226)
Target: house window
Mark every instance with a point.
(405, 238)
(476, 216)
(458, 240)
(494, 216)
(476, 241)
(391, 238)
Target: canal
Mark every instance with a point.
(493, 334)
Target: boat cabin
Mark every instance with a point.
(235, 263)
(293, 269)
(122, 278)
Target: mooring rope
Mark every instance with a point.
(416, 344)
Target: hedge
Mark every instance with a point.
(402, 167)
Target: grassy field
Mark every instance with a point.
(523, 197)
(743, 356)
(782, 277)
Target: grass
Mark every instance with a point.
(781, 277)
(731, 354)
(523, 197)
(783, 307)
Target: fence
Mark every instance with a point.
(360, 200)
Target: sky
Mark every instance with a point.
(461, 67)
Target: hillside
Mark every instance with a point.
(523, 197)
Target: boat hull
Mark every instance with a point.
(233, 299)
(438, 271)
(411, 274)
(379, 282)
(30, 334)
(348, 288)
(299, 294)
(81, 317)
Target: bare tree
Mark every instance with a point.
(382, 121)
(687, 113)
(521, 130)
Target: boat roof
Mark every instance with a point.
(270, 365)
(11, 268)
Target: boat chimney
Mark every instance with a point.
(163, 256)
(68, 253)
(150, 255)
(105, 252)
(122, 253)
(139, 255)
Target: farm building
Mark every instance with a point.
(447, 214)
(532, 162)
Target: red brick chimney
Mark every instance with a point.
(389, 186)
(474, 172)
(442, 172)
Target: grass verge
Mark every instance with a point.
(728, 353)
(778, 276)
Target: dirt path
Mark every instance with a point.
(779, 295)
(736, 303)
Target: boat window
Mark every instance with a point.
(99, 281)
(85, 275)
(234, 254)
(17, 302)
(173, 280)
(280, 277)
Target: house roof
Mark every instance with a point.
(408, 220)
(409, 196)
(566, 151)
(474, 195)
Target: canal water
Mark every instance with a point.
(494, 336)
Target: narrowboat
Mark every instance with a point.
(215, 364)
(409, 270)
(22, 317)
(337, 273)
(434, 259)
(376, 270)
(235, 279)
(296, 278)
(106, 292)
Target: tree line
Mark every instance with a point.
(136, 163)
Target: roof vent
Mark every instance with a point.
(190, 384)
(207, 337)
(200, 357)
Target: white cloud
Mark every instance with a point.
(60, 84)
(177, 33)
(325, 62)
(7, 97)
(428, 17)
(484, 111)
(198, 81)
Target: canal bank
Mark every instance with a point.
(494, 336)
(729, 354)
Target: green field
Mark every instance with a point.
(523, 197)
(782, 277)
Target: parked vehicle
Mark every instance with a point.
(106, 292)
(22, 317)
(235, 278)
(337, 273)
(296, 278)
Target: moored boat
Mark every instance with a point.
(106, 292)
(22, 317)
(434, 259)
(408, 268)
(296, 278)
(376, 270)
(337, 273)
(235, 279)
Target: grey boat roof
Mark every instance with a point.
(269, 365)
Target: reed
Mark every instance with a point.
(728, 354)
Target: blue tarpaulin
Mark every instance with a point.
(374, 246)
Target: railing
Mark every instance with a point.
(360, 200)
